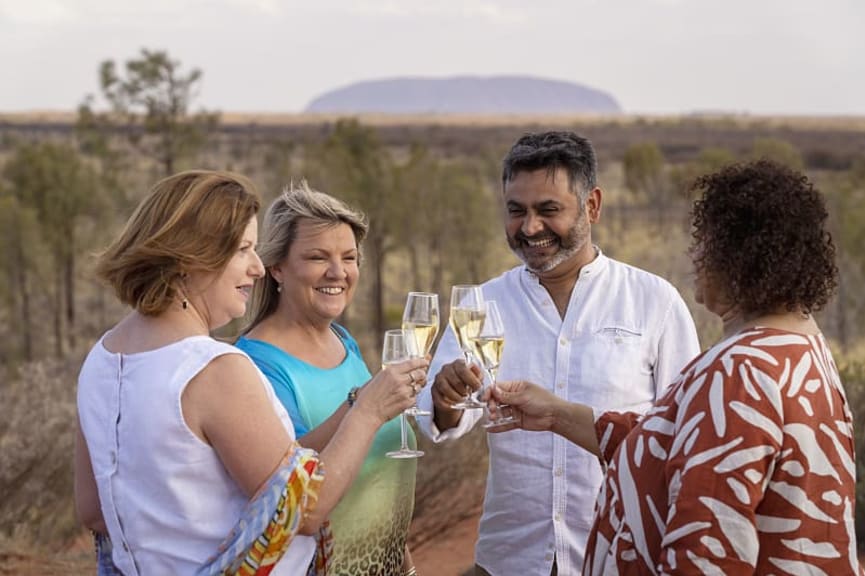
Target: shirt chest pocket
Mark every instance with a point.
(613, 366)
(619, 335)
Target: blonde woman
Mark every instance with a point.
(311, 248)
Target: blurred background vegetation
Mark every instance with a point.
(430, 187)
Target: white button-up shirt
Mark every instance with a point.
(624, 338)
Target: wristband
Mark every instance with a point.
(351, 398)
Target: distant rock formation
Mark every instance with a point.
(465, 95)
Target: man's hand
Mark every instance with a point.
(454, 382)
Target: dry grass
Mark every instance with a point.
(37, 434)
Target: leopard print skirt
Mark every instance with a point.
(370, 525)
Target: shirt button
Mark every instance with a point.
(561, 385)
(563, 341)
(548, 557)
(557, 517)
(559, 472)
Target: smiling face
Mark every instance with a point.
(222, 297)
(320, 271)
(544, 222)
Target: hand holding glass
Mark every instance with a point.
(420, 322)
(396, 349)
(488, 341)
(467, 314)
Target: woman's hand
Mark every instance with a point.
(536, 408)
(393, 389)
(533, 407)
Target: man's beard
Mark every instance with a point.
(569, 246)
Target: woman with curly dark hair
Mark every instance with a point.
(746, 465)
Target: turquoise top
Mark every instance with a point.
(371, 522)
(284, 370)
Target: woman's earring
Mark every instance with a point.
(184, 303)
(279, 287)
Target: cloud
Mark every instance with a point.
(35, 11)
(42, 12)
(473, 9)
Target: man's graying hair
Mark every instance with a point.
(551, 151)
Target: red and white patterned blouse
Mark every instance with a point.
(745, 466)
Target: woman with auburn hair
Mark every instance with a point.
(185, 461)
(746, 465)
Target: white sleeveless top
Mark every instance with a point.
(166, 498)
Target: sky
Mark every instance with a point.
(787, 57)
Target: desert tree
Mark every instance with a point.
(418, 181)
(846, 203)
(469, 221)
(151, 99)
(54, 183)
(19, 240)
(643, 165)
(708, 160)
(777, 150)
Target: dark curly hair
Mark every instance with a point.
(760, 230)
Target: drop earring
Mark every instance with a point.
(279, 287)
(184, 303)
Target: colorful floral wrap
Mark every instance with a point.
(268, 524)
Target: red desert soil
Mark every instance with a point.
(450, 554)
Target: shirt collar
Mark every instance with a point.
(591, 269)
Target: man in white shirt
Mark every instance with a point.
(589, 328)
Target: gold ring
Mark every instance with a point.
(413, 388)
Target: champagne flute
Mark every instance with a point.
(467, 313)
(396, 349)
(489, 343)
(420, 322)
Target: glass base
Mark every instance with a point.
(407, 453)
(415, 411)
(468, 404)
(499, 422)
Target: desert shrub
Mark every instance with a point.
(853, 377)
(37, 438)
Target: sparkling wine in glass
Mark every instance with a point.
(466, 315)
(489, 343)
(420, 322)
(396, 349)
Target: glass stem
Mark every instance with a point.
(403, 430)
(468, 358)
